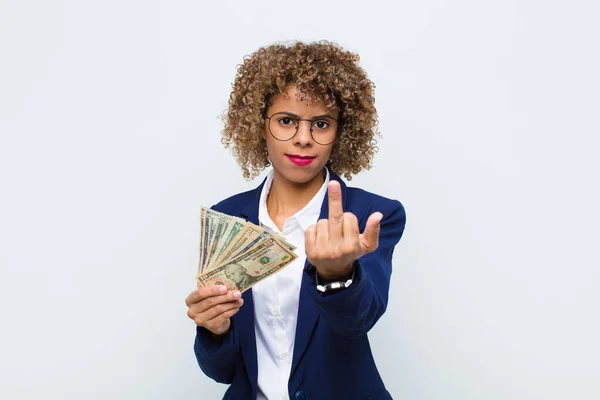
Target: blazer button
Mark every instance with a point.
(300, 395)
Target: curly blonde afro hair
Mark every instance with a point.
(322, 71)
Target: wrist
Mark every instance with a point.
(335, 283)
(342, 275)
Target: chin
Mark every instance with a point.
(300, 175)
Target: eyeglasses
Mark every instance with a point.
(283, 126)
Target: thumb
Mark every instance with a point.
(369, 239)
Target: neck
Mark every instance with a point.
(287, 198)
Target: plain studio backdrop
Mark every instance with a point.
(110, 142)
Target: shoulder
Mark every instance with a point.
(232, 204)
(368, 203)
(231, 201)
(363, 203)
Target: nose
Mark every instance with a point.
(303, 136)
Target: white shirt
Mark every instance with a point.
(276, 299)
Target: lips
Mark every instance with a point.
(300, 160)
(301, 157)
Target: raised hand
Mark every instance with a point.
(333, 244)
(213, 306)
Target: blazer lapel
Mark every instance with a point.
(308, 314)
(245, 320)
(249, 204)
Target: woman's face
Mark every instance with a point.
(300, 159)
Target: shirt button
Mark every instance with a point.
(276, 312)
(285, 397)
(300, 395)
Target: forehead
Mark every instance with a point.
(302, 104)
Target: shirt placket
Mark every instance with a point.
(285, 358)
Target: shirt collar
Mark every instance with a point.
(306, 216)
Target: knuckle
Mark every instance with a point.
(337, 219)
(221, 319)
(220, 309)
(371, 247)
(210, 302)
(350, 217)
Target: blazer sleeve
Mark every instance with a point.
(217, 356)
(352, 312)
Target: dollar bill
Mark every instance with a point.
(279, 237)
(206, 235)
(222, 223)
(225, 240)
(201, 257)
(234, 226)
(262, 236)
(251, 267)
(210, 227)
(248, 233)
(266, 234)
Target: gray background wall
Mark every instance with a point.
(109, 143)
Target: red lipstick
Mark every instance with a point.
(300, 160)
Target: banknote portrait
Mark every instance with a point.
(239, 275)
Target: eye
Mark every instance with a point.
(321, 124)
(287, 121)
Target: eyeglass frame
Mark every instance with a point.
(312, 121)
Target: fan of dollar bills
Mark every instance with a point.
(237, 253)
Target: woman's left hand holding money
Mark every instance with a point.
(332, 245)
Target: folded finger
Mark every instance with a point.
(220, 320)
(310, 239)
(203, 292)
(322, 238)
(212, 301)
(219, 309)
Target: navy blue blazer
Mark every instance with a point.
(332, 357)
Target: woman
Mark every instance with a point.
(308, 111)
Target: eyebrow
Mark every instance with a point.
(297, 116)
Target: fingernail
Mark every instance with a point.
(241, 301)
(237, 294)
(222, 289)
